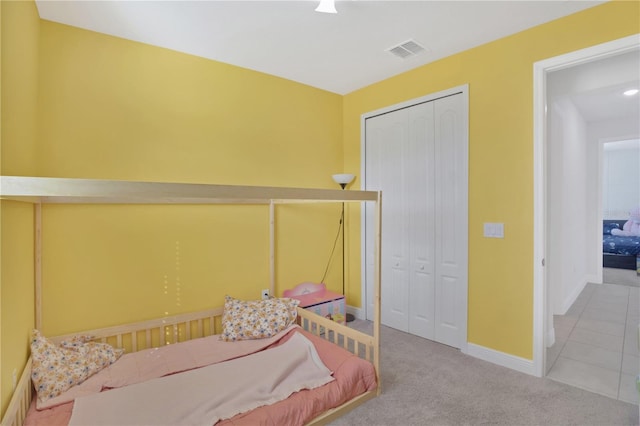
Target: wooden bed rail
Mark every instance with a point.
(19, 405)
(156, 332)
(356, 342)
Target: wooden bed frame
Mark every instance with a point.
(182, 327)
(179, 328)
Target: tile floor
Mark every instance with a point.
(596, 346)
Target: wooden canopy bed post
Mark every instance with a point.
(140, 335)
(377, 294)
(272, 247)
(37, 211)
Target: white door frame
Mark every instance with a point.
(464, 90)
(540, 70)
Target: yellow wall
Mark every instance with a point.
(19, 70)
(16, 299)
(112, 108)
(20, 28)
(500, 78)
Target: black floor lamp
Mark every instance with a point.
(344, 179)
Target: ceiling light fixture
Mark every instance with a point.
(630, 92)
(327, 6)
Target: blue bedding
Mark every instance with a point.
(616, 244)
(627, 246)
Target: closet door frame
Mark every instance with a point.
(463, 90)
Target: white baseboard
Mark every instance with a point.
(593, 279)
(551, 337)
(356, 312)
(568, 301)
(500, 358)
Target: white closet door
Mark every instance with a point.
(387, 144)
(418, 157)
(420, 187)
(451, 221)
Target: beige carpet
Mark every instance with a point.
(620, 276)
(426, 383)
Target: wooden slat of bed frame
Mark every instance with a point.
(115, 335)
(19, 404)
(161, 336)
(343, 336)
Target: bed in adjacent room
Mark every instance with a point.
(246, 362)
(619, 251)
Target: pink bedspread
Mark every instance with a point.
(148, 364)
(353, 375)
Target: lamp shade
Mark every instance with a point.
(327, 6)
(343, 178)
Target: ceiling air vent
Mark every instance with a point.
(406, 49)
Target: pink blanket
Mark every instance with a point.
(353, 376)
(205, 395)
(151, 363)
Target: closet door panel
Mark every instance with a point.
(447, 312)
(420, 188)
(373, 161)
(390, 130)
(450, 223)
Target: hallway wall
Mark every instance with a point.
(567, 198)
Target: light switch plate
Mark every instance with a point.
(494, 230)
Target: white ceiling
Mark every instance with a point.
(596, 88)
(339, 52)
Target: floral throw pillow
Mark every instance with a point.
(57, 368)
(256, 319)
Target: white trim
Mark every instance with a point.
(566, 303)
(600, 214)
(427, 98)
(363, 228)
(589, 278)
(551, 337)
(540, 69)
(356, 312)
(500, 358)
(539, 206)
(599, 277)
(464, 313)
